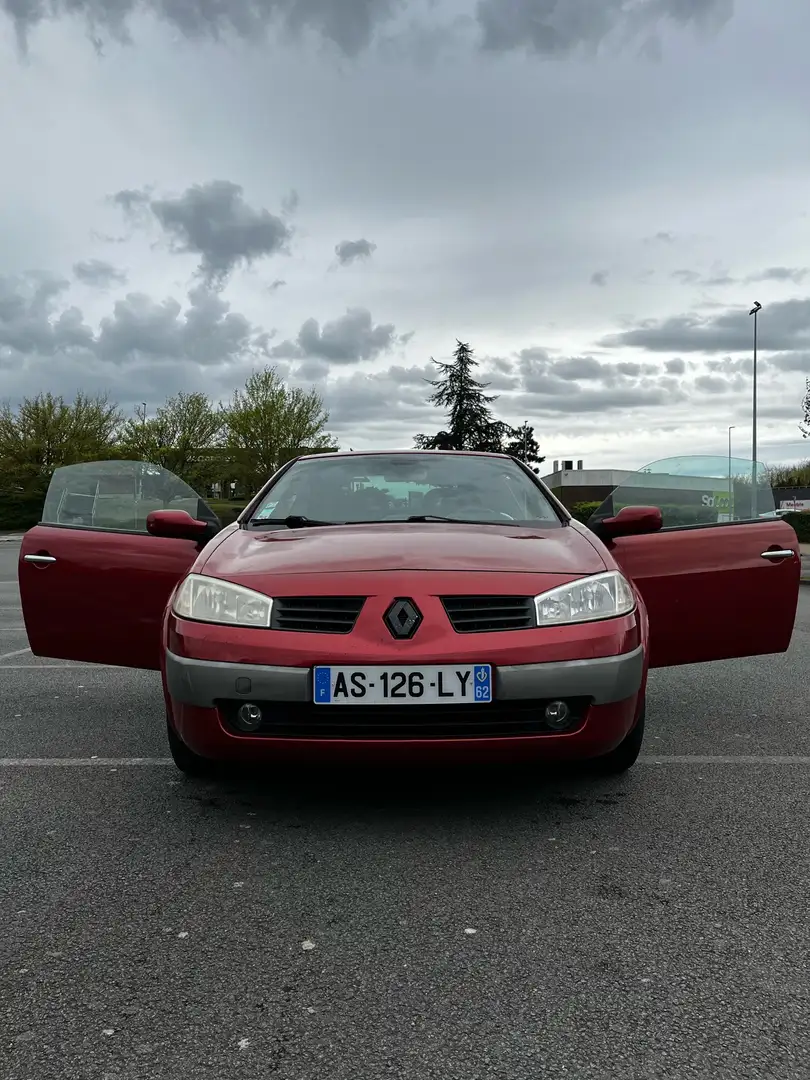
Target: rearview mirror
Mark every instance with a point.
(630, 521)
(178, 524)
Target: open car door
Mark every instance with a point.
(721, 578)
(94, 583)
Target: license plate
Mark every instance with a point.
(447, 684)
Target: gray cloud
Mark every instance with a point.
(349, 251)
(377, 401)
(543, 27)
(790, 361)
(599, 277)
(716, 278)
(719, 278)
(346, 340)
(311, 371)
(686, 277)
(349, 24)
(783, 326)
(140, 329)
(578, 367)
(98, 273)
(207, 332)
(538, 401)
(30, 322)
(794, 274)
(559, 380)
(550, 28)
(732, 365)
(713, 384)
(213, 221)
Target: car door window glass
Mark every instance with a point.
(696, 490)
(118, 495)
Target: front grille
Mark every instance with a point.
(480, 614)
(316, 614)
(305, 720)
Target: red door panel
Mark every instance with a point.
(102, 597)
(710, 593)
(94, 583)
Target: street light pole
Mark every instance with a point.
(754, 311)
(730, 483)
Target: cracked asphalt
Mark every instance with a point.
(480, 926)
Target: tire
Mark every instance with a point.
(186, 760)
(624, 756)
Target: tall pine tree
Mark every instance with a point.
(524, 446)
(470, 422)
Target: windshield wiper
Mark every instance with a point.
(458, 521)
(294, 521)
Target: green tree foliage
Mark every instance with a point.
(46, 432)
(524, 446)
(805, 426)
(267, 424)
(471, 425)
(789, 476)
(183, 437)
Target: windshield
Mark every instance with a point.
(396, 487)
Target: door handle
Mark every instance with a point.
(40, 559)
(786, 554)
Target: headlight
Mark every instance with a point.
(603, 596)
(208, 599)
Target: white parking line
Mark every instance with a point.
(724, 759)
(67, 666)
(670, 759)
(17, 652)
(50, 763)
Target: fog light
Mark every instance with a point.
(249, 717)
(557, 715)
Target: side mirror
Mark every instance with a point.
(178, 524)
(630, 521)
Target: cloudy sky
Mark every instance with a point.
(593, 193)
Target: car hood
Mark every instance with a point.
(431, 546)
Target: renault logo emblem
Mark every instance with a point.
(403, 618)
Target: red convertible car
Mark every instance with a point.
(399, 605)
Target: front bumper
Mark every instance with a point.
(603, 680)
(598, 668)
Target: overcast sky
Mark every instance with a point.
(592, 193)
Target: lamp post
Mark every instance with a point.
(754, 311)
(730, 482)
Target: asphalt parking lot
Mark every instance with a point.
(483, 926)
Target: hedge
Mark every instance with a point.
(227, 512)
(801, 523)
(19, 512)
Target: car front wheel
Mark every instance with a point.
(624, 756)
(186, 760)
